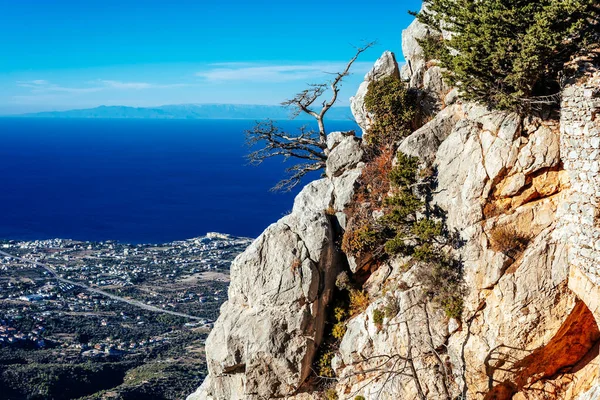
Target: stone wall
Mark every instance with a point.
(580, 153)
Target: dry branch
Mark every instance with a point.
(307, 145)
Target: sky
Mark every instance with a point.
(65, 54)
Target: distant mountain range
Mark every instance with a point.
(188, 111)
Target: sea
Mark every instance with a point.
(136, 181)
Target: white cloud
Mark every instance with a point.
(222, 72)
(125, 85)
(137, 85)
(42, 86)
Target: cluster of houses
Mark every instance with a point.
(111, 348)
(12, 336)
(30, 293)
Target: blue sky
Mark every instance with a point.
(62, 54)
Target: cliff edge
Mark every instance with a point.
(522, 196)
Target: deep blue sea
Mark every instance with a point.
(135, 181)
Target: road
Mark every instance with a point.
(134, 303)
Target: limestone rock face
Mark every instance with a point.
(272, 311)
(521, 195)
(530, 312)
(384, 67)
(475, 152)
(264, 341)
(345, 155)
(423, 75)
(414, 69)
(424, 142)
(411, 49)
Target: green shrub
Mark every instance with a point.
(396, 245)
(331, 394)
(409, 227)
(339, 330)
(324, 364)
(421, 234)
(453, 305)
(359, 301)
(360, 398)
(378, 317)
(395, 109)
(433, 47)
(412, 232)
(427, 229)
(359, 240)
(507, 52)
(424, 252)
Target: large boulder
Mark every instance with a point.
(344, 154)
(268, 331)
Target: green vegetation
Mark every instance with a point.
(412, 223)
(360, 398)
(159, 372)
(395, 107)
(170, 320)
(391, 213)
(339, 328)
(420, 232)
(508, 53)
(59, 381)
(331, 394)
(433, 47)
(324, 364)
(411, 227)
(378, 317)
(162, 380)
(359, 301)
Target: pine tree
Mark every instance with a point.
(509, 54)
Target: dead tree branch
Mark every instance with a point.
(307, 145)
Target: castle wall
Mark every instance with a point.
(580, 214)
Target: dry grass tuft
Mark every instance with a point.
(508, 240)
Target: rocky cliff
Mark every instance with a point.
(522, 194)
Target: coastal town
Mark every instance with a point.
(98, 302)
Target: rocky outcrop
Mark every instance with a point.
(487, 166)
(521, 195)
(413, 71)
(264, 341)
(529, 328)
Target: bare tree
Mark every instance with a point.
(307, 145)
